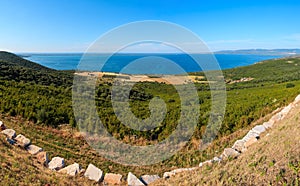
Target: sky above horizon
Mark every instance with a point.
(73, 25)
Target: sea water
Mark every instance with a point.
(144, 63)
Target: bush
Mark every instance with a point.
(290, 85)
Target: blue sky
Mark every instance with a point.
(72, 25)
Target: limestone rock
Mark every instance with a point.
(10, 133)
(268, 124)
(208, 162)
(250, 134)
(168, 175)
(93, 173)
(297, 99)
(216, 159)
(56, 163)
(33, 149)
(276, 117)
(71, 170)
(147, 179)
(42, 158)
(259, 129)
(230, 153)
(2, 126)
(286, 110)
(132, 180)
(176, 171)
(22, 141)
(239, 145)
(250, 142)
(112, 179)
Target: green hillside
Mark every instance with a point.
(43, 98)
(16, 68)
(17, 61)
(276, 70)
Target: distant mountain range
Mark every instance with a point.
(262, 51)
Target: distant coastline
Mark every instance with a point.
(24, 56)
(287, 52)
(68, 61)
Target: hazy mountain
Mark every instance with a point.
(262, 51)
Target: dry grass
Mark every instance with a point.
(17, 167)
(273, 160)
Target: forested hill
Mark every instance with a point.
(272, 71)
(16, 60)
(16, 68)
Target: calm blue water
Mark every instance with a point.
(144, 63)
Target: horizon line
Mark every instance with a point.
(216, 51)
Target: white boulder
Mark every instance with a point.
(176, 171)
(93, 173)
(71, 170)
(56, 163)
(250, 142)
(168, 175)
(132, 180)
(249, 135)
(297, 99)
(277, 117)
(259, 129)
(286, 110)
(147, 179)
(207, 162)
(230, 153)
(268, 124)
(22, 141)
(112, 179)
(217, 159)
(238, 145)
(10, 133)
(33, 149)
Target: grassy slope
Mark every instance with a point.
(20, 168)
(273, 160)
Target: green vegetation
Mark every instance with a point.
(18, 69)
(49, 105)
(275, 71)
(290, 85)
(244, 105)
(44, 97)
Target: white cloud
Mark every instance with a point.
(230, 41)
